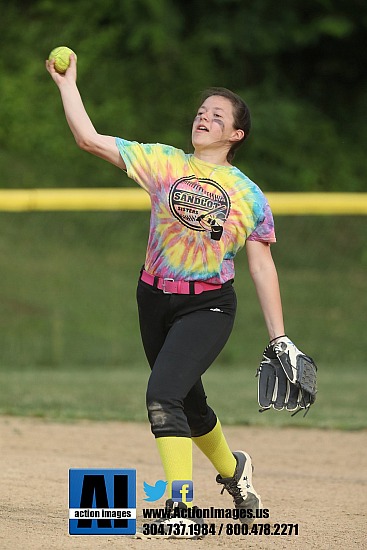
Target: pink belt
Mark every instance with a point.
(170, 286)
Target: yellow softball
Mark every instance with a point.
(61, 55)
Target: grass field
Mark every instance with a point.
(119, 394)
(68, 282)
(69, 339)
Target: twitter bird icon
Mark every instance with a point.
(155, 492)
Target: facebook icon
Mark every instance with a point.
(182, 490)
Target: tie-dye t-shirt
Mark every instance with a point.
(201, 215)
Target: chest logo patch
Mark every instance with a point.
(200, 204)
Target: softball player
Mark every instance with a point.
(204, 210)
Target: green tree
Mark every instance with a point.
(142, 64)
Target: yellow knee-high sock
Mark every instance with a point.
(215, 447)
(176, 457)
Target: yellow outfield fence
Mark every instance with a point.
(25, 200)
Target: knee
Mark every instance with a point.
(166, 416)
(161, 409)
(201, 424)
(159, 415)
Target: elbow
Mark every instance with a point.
(253, 271)
(256, 274)
(257, 266)
(87, 141)
(258, 270)
(84, 143)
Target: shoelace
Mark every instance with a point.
(233, 489)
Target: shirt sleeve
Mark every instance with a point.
(264, 231)
(139, 159)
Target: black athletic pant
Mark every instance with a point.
(182, 335)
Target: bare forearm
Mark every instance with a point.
(265, 278)
(80, 124)
(76, 115)
(268, 292)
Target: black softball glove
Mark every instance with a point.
(286, 378)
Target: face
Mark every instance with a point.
(213, 124)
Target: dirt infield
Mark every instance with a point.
(311, 477)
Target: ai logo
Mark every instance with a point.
(102, 501)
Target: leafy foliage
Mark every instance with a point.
(142, 64)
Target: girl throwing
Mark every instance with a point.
(203, 211)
